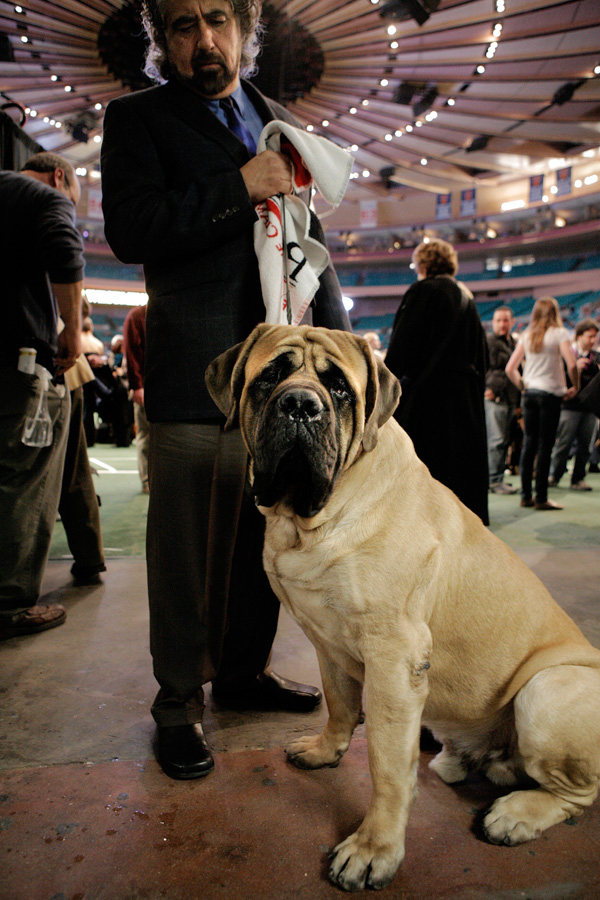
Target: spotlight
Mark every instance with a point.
(427, 100)
(404, 93)
(478, 143)
(399, 10)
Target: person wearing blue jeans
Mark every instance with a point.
(541, 412)
(541, 348)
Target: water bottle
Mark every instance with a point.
(38, 430)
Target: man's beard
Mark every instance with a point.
(208, 82)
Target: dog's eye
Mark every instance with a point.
(337, 385)
(271, 375)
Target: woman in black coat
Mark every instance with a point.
(438, 351)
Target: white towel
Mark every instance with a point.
(285, 221)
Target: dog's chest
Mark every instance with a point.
(315, 589)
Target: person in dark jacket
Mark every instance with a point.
(501, 398)
(438, 351)
(180, 184)
(42, 272)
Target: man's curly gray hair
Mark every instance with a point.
(157, 67)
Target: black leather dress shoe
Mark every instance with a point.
(269, 691)
(183, 752)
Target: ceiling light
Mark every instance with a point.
(325, 123)
(398, 132)
(491, 233)
(389, 137)
(97, 140)
(98, 106)
(578, 183)
(451, 101)
(591, 179)
(553, 189)
(25, 40)
(352, 110)
(480, 70)
(391, 30)
(68, 88)
(54, 78)
(512, 204)
(409, 128)
(364, 102)
(310, 127)
(394, 45)
(545, 198)
(596, 70)
(365, 173)
(18, 9)
(423, 162)
(81, 171)
(560, 222)
(419, 124)
(354, 148)
(58, 124)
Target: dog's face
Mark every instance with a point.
(308, 401)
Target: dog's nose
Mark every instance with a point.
(300, 405)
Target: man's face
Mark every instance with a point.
(204, 45)
(502, 323)
(586, 341)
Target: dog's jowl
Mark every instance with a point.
(414, 607)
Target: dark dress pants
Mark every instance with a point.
(212, 612)
(78, 506)
(541, 412)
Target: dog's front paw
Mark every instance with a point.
(360, 862)
(313, 752)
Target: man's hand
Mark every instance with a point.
(69, 348)
(266, 175)
(138, 396)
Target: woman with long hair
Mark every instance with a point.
(541, 348)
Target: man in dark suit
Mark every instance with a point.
(180, 184)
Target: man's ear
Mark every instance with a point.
(225, 376)
(382, 398)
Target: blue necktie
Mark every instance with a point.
(236, 124)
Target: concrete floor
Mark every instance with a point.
(87, 814)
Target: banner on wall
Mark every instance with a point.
(368, 213)
(536, 188)
(443, 206)
(468, 203)
(563, 181)
(94, 204)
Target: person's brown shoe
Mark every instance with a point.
(548, 504)
(526, 501)
(33, 620)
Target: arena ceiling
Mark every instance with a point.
(476, 93)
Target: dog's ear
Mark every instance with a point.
(225, 376)
(382, 397)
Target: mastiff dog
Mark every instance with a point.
(415, 609)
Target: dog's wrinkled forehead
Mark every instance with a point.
(307, 351)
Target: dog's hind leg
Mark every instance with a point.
(344, 698)
(557, 717)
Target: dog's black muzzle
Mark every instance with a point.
(296, 449)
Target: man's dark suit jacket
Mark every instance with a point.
(174, 200)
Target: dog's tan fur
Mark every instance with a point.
(410, 600)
